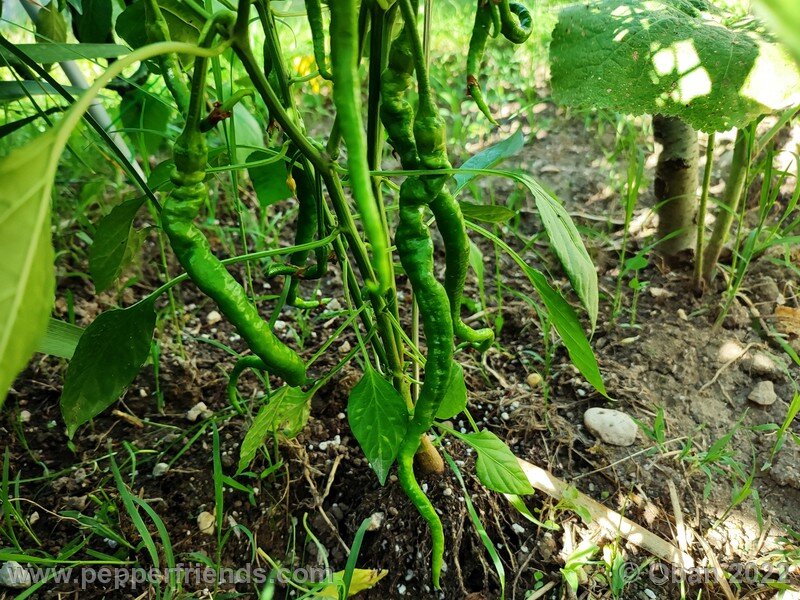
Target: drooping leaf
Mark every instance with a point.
(111, 241)
(110, 353)
(27, 280)
(487, 213)
(286, 414)
(60, 339)
(668, 57)
(566, 242)
(95, 22)
(455, 398)
(378, 418)
(146, 117)
(248, 131)
(269, 180)
(362, 580)
(497, 467)
(489, 158)
(50, 53)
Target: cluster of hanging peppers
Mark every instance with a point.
(418, 137)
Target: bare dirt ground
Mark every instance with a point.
(674, 358)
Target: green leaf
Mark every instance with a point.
(455, 398)
(488, 158)
(60, 339)
(569, 328)
(147, 118)
(491, 213)
(477, 264)
(378, 418)
(567, 244)
(161, 176)
(14, 90)
(286, 413)
(50, 53)
(110, 353)
(27, 280)
(111, 242)
(497, 467)
(183, 23)
(784, 16)
(50, 24)
(669, 58)
(95, 22)
(249, 134)
(269, 181)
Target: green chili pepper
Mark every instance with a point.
(477, 46)
(396, 112)
(194, 251)
(315, 21)
(347, 98)
(517, 24)
(497, 24)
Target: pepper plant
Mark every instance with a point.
(347, 209)
(693, 68)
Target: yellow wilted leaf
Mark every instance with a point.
(363, 579)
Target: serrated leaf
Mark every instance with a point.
(566, 242)
(111, 240)
(95, 21)
(378, 418)
(455, 398)
(60, 339)
(497, 467)
(669, 58)
(286, 414)
(27, 279)
(269, 181)
(486, 213)
(146, 117)
(110, 353)
(488, 158)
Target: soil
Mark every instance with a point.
(674, 357)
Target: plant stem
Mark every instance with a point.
(675, 183)
(734, 187)
(697, 281)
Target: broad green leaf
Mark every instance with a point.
(455, 398)
(14, 90)
(50, 24)
(249, 134)
(497, 467)
(50, 53)
(667, 57)
(60, 339)
(95, 23)
(378, 418)
(27, 279)
(110, 353)
(286, 414)
(184, 24)
(487, 213)
(110, 246)
(784, 16)
(146, 117)
(489, 158)
(160, 176)
(269, 181)
(566, 243)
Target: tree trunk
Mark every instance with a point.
(675, 184)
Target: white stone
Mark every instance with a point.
(198, 410)
(206, 522)
(533, 380)
(160, 469)
(24, 416)
(13, 575)
(213, 317)
(763, 394)
(376, 520)
(611, 426)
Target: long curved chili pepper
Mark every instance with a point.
(516, 21)
(497, 24)
(194, 252)
(347, 98)
(316, 23)
(477, 46)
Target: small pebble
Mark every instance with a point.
(13, 575)
(160, 469)
(763, 394)
(376, 520)
(611, 426)
(213, 317)
(206, 522)
(533, 380)
(24, 416)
